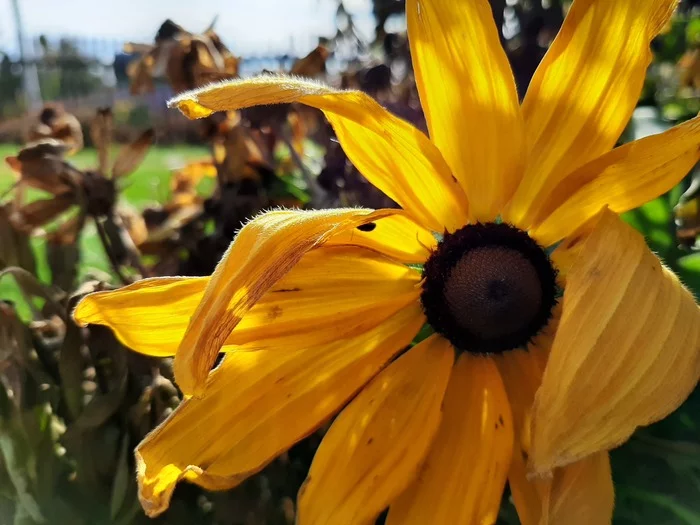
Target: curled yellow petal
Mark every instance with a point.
(333, 292)
(469, 98)
(584, 91)
(622, 179)
(463, 476)
(264, 250)
(374, 448)
(626, 353)
(392, 154)
(257, 405)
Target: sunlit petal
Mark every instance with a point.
(622, 179)
(469, 98)
(332, 292)
(257, 405)
(626, 353)
(264, 250)
(584, 92)
(463, 476)
(392, 154)
(374, 448)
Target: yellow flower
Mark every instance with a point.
(314, 307)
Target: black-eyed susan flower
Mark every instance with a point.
(557, 331)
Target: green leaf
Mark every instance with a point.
(684, 514)
(121, 479)
(690, 263)
(18, 459)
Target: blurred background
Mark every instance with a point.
(100, 185)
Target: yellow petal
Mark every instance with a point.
(581, 493)
(257, 405)
(264, 250)
(333, 291)
(626, 353)
(463, 476)
(396, 236)
(149, 316)
(392, 154)
(469, 98)
(374, 448)
(521, 371)
(584, 92)
(622, 179)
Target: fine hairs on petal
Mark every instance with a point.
(285, 83)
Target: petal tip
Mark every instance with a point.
(189, 106)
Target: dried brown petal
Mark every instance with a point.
(131, 156)
(101, 135)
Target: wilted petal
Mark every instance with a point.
(626, 353)
(131, 156)
(264, 250)
(392, 154)
(332, 292)
(578, 494)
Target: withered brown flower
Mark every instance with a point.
(88, 193)
(186, 59)
(54, 122)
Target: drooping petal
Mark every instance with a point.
(264, 250)
(257, 405)
(43, 211)
(374, 448)
(101, 131)
(463, 476)
(626, 353)
(581, 493)
(622, 179)
(396, 236)
(392, 154)
(584, 92)
(333, 291)
(469, 98)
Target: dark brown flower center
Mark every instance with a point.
(488, 288)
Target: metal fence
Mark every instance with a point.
(86, 73)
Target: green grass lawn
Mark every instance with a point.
(148, 185)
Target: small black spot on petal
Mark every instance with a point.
(367, 227)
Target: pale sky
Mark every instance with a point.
(247, 26)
